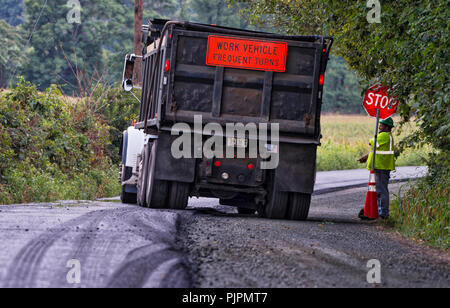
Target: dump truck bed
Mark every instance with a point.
(234, 76)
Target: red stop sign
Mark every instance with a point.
(377, 98)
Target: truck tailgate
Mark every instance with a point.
(225, 94)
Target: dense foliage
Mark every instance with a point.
(12, 11)
(52, 148)
(65, 53)
(160, 9)
(218, 12)
(342, 93)
(119, 109)
(11, 43)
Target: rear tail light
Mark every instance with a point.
(217, 164)
(251, 166)
(167, 67)
(322, 79)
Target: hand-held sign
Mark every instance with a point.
(377, 98)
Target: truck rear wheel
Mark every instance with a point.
(157, 191)
(179, 195)
(277, 202)
(143, 176)
(299, 205)
(157, 195)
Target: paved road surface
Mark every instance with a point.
(117, 246)
(208, 246)
(337, 180)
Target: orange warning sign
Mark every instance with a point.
(246, 53)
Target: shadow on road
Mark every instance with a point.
(228, 214)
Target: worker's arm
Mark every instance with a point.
(364, 159)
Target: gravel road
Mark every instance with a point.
(207, 245)
(331, 249)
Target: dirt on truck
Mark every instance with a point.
(225, 113)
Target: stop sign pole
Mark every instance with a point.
(375, 140)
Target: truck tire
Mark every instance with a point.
(299, 205)
(179, 195)
(128, 198)
(143, 178)
(157, 195)
(157, 191)
(277, 202)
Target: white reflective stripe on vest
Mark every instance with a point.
(390, 152)
(386, 153)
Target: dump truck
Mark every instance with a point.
(228, 114)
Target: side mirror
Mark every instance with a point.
(128, 69)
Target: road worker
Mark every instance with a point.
(384, 164)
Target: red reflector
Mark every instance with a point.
(324, 51)
(251, 166)
(321, 80)
(217, 164)
(167, 68)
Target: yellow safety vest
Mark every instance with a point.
(385, 156)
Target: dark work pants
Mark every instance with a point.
(382, 178)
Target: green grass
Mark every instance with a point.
(346, 139)
(423, 212)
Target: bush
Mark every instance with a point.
(51, 148)
(423, 213)
(119, 109)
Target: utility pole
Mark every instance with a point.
(138, 17)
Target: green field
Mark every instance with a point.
(346, 139)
